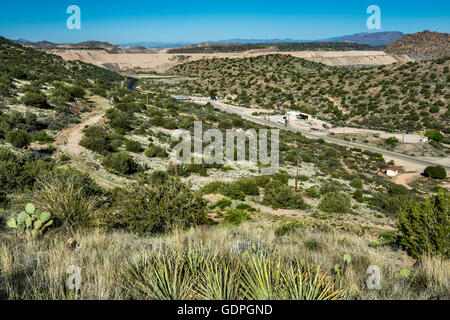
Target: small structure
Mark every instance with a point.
(391, 171)
(304, 116)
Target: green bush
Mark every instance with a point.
(392, 141)
(282, 177)
(280, 196)
(133, 146)
(434, 135)
(157, 208)
(154, 151)
(121, 162)
(96, 139)
(424, 226)
(436, 172)
(236, 217)
(313, 192)
(248, 187)
(36, 100)
(223, 203)
(18, 138)
(215, 187)
(358, 195)
(262, 181)
(42, 137)
(356, 183)
(335, 202)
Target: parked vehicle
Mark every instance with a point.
(315, 129)
(326, 126)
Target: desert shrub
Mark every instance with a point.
(154, 151)
(358, 195)
(282, 177)
(436, 145)
(262, 181)
(214, 187)
(42, 137)
(335, 202)
(434, 135)
(96, 139)
(356, 183)
(236, 217)
(248, 187)
(18, 138)
(244, 206)
(313, 192)
(287, 228)
(121, 162)
(392, 141)
(36, 100)
(233, 191)
(280, 196)
(118, 120)
(158, 177)
(330, 186)
(424, 226)
(72, 198)
(397, 189)
(156, 208)
(223, 204)
(133, 146)
(435, 172)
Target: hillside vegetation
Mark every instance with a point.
(87, 179)
(406, 97)
(302, 46)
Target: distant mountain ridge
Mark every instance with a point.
(374, 39)
(93, 45)
(426, 45)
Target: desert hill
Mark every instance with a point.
(426, 44)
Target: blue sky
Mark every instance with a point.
(193, 21)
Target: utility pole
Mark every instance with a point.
(147, 99)
(296, 179)
(176, 168)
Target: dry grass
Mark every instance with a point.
(37, 269)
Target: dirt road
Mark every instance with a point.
(68, 142)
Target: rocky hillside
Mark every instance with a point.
(426, 44)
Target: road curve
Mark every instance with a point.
(391, 154)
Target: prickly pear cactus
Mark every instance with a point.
(31, 222)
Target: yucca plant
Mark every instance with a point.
(307, 283)
(164, 276)
(220, 280)
(262, 277)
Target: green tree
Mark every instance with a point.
(424, 226)
(434, 135)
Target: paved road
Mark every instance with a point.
(419, 163)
